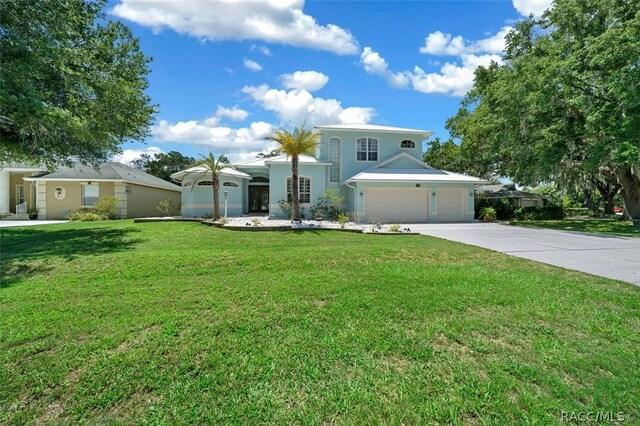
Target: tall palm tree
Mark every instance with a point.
(299, 142)
(214, 166)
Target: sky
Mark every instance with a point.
(225, 73)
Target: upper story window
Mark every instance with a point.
(230, 184)
(90, 194)
(334, 158)
(205, 183)
(407, 144)
(304, 189)
(366, 149)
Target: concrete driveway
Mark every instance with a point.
(11, 223)
(604, 255)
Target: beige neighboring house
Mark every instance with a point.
(67, 189)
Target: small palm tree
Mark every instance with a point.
(299, 142)
(214, 166)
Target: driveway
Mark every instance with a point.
(604, 255)
(11, 223)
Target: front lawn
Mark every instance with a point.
(182, 323)
(597, 226)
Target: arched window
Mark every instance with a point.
(334, 158)
(304, 189)
(260, 179)
(407, 144)
(230, 184)
(366, 149)
(205, 183)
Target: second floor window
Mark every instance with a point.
(334, 158)
(407, 144)
(367, 149)
(304, 189)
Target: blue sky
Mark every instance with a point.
(225, 73)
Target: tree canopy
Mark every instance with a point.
(566, 98)
(163, 165)
(72, 84)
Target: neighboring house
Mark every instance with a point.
(510, 192)
(66, 189)
(378, 169)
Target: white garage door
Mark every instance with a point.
(452, 205)
(396, 205)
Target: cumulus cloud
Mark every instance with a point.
(130, 155)
(534, 7)
(297, 106)
(273, 21)
(453, 79)
(373, 63)
(305, 80)
(252, 65)
(214, 137)
(439, 43)
(234, 113)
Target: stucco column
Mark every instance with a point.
(5, 198)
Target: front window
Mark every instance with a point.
(334, 158)
(230, 184)
(90, 194)
(205, 183)
(304, 190)
(367, 149)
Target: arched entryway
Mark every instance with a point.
(259, 195)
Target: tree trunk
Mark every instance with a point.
(630, 181)
(295, 200)
(588, 200)
(216, 197)
(608, 191)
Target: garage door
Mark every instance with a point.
(396, 205)
(452, 205)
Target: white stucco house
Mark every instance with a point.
(377, 169)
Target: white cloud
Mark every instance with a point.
(273, 21)
(130, 155)
(452, 79)
(262, 49)
(305, 80)
(229, 70)
(252, 65)
(534, 7)
(234, 113)
(439, 43)
(299, 106)
(216, 138)
(373, 63)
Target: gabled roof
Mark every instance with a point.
(227, 171)
(374, 128)
(105, 171)
(421, 173)
(256, 162)
(507, 191)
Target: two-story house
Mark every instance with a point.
(378, 170)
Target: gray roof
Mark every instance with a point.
(109, 171)
(507, 191)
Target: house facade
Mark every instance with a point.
(377, 169)
(66, 189)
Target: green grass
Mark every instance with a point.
(182, 323)
(596, 226)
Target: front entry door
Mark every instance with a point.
(258, 199)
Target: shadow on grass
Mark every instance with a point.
(28, 251)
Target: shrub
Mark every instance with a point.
(342, 219)
(223, 220)
(505, 208)
(540, 213)
(255, 222)
(394, 228)
(165, 207)
(285, 206)
(326, 208)
(488, 214)
(83, 215)
(106, 208)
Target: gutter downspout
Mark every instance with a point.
(355, 199)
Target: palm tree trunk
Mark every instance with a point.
(216, 197)
(295, 200)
